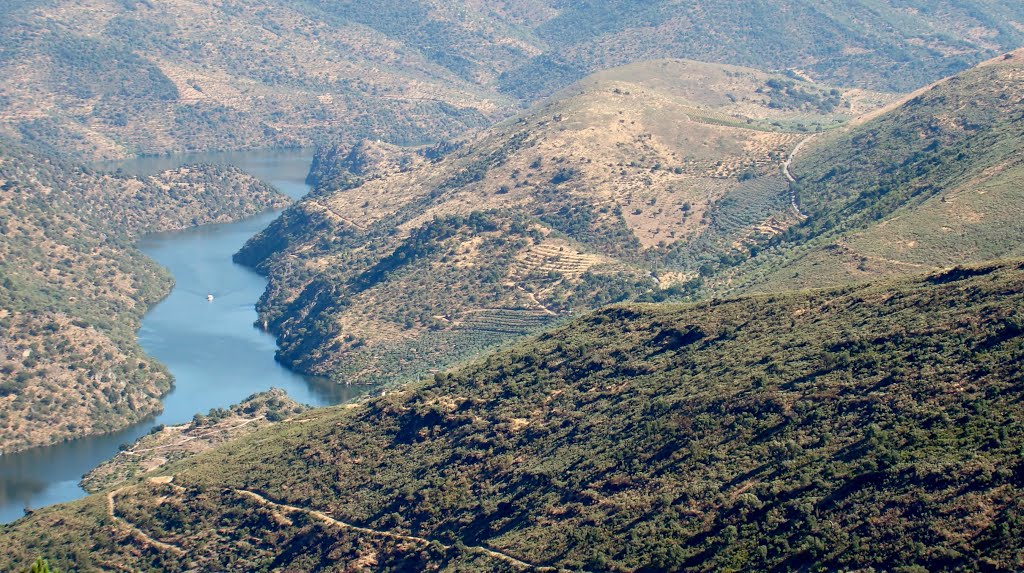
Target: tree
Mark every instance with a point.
(41, 566)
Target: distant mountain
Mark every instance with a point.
(110, 78)
(405, 260)
(892, 46)
(73, 287)
(874, 427)
(127, 77)
(936, 181)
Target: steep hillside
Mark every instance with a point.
(935, 182)
(405, 260)
(109, 78)
(73, 287)
(113, 78)
(893, 46)
(874, 427)
(166, 444)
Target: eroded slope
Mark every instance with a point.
(633, 180)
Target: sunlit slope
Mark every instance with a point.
(937, 181)
(630, 181)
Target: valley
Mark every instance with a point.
(215, 355)
(75, 288)
(624, 286)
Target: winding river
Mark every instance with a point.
(216, 355)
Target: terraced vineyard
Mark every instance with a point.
(747, 204)
(553, 258)
(506, 321)
(577, 203)
(743, 219)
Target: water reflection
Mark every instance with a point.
(217, 356)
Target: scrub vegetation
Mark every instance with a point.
(116, 78)
(658, 181)
(873, 426)
(627, 311)
(166, 444)
(73, 287)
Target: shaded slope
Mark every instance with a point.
(828, 429)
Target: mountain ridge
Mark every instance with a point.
(111, 79)
(660, 180)
(629, 180)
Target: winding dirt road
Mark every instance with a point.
(789, 175)
(324, 518)
(136, 532)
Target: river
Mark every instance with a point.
(213, 350)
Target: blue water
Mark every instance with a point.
(213, 350)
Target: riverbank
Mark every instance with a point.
(215, 354)
(74, 287)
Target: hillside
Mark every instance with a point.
(110, 78)
(936, 181)
(405, 260)
(166, 444)
(115, 78)
(73, 287)
(891, 46)
(868, 427)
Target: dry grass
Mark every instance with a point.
(622, 167)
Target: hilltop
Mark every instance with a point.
(405, 260)
(867, 427)
(73, 287)
(660, 180)
(116, 78)
(936, 181)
